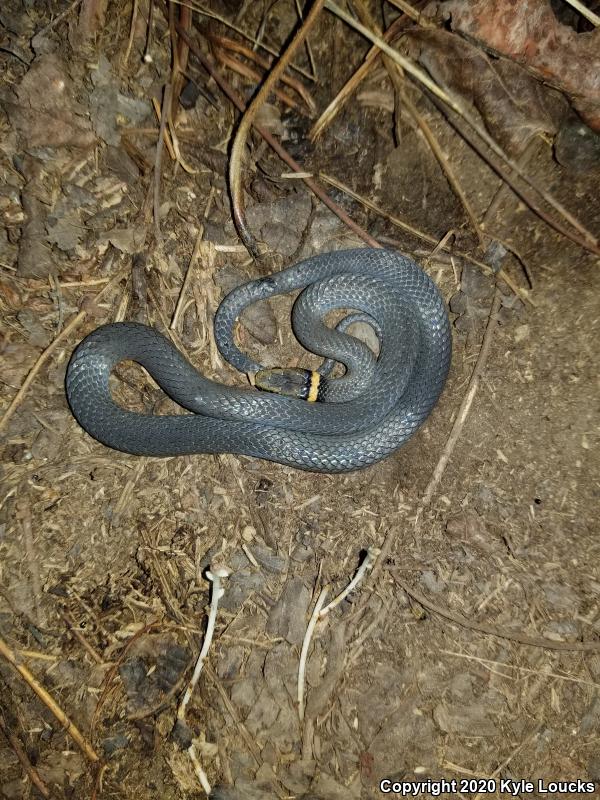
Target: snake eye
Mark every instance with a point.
(300, 383)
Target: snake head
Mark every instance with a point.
(303, 384)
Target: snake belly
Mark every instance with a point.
(412, 324)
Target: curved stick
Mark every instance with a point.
(241, 136)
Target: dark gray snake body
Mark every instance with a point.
(365, 418)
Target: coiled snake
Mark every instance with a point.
(368, 413)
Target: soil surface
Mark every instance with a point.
(472, 650)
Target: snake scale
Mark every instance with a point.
(367, 414)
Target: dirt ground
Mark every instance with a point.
(472, 650)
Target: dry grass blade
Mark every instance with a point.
(254, 76)
(585, 12)
(464, 409)
(166, 105)
(443, 161)
(224, 21)
(336, 105)
(490, 663)
(236, 47)
(132, 24)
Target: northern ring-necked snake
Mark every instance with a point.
(368, 413)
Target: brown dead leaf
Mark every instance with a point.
(529, 33)
(513, 105)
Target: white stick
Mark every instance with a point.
(305, 645)
(200, 774)
(369, 560)
(217, 594)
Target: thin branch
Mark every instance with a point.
(413, 13)
(489, 663)
(70, 728)
(465, 407)
(398, 80)
(490, 630)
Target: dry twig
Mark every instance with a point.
(166, 104)
(464, 409)
(490, 630)
(70, 728)
(21, 754)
